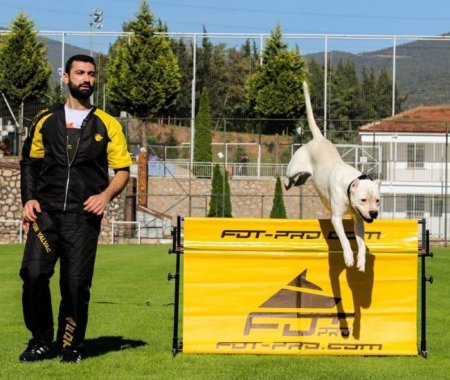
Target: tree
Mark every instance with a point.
(183, 52)
(56, 94)
(275, 89)
(220, 202)
(316, 80)
(384, 94)
(216, 202)
(202, 137)
(24, 70)
(369, 95)
(228, 209)
(143, 73)
(278, 209)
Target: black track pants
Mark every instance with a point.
(73, 239)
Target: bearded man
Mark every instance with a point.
(65, 189)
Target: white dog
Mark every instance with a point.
(342, 188)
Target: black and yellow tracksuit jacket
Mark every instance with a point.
(62, 171)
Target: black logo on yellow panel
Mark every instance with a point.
(294, 234)
(306, 307)
(297, 311)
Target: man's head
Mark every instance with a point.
(79, 75)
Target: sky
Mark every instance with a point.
(380, 17)
(350, 18)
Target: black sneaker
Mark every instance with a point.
(35, 351)
(70, 356)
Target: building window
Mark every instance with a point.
(416, 154)
(438, 206)
(415, 206)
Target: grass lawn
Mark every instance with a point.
(129, 333)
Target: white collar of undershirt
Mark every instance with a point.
(74, 118)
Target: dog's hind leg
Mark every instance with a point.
(359, 235)
(299, 168)
(336, 220)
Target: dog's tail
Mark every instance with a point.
(315, 130)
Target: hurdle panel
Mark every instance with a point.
(279, 286)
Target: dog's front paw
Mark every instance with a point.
(361, 266)
(361, 262)
(348, 258)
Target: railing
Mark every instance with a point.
(181, 169)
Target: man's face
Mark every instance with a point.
(80, 79)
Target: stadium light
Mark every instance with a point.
(96, 19)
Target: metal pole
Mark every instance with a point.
(63, 48)
(176, 248)
(325, 87)
(394, 58)
(191, 160)
(445, 186)
(194, 69)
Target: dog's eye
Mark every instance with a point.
(378, 201)
(363, 200)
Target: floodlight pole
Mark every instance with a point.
(96, 19)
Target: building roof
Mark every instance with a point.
(422, 119)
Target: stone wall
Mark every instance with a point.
(11, 206)
(249, 197)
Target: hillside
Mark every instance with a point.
(422, 69)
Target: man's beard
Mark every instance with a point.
(78, 93)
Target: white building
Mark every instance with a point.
(412, 162)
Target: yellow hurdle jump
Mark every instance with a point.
(278, 286)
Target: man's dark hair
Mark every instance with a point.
(79, 57)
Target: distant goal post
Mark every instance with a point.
(12, 230)
(126, 231)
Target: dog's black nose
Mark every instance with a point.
(373, 214)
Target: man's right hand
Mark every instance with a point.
(30, 209)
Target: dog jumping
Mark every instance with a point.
(342, 188)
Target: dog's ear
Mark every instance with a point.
(355, 183)
(377, 182)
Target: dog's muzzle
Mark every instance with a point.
(373, 215)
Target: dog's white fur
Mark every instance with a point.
(338, 184)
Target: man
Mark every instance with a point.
(65, 190)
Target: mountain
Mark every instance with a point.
(422, 68)
(54, 54)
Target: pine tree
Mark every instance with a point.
(202, 137)
(216, 202)
(220, 202)
(143, 73)
(274, 90)
(278, 208)
(24, 70)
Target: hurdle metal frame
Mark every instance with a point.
(177, 249)
(424, 253)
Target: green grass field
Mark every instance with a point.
(129, 334)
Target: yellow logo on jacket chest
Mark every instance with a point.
(98, 137)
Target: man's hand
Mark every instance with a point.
(97, 203)
(30, 209)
